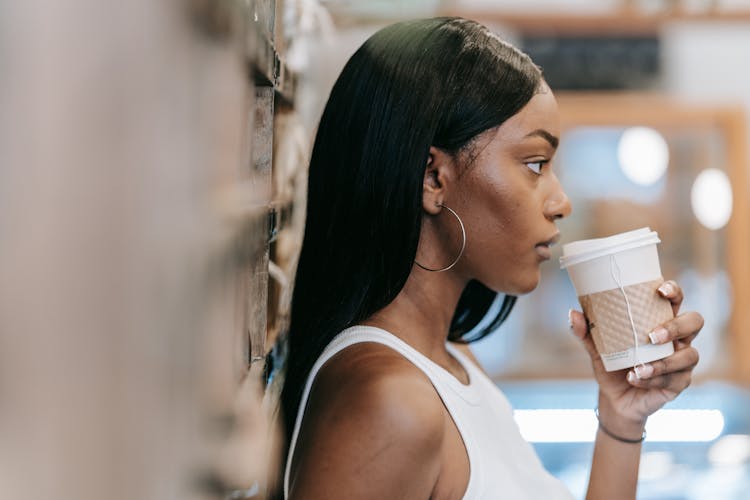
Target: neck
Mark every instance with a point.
(421, 313)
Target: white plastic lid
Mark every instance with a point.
(584, 250)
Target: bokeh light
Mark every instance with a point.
(643, 155)
(711, 198)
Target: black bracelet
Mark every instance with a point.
(615, 436)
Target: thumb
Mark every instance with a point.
(580, 329)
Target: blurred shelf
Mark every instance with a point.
(266, 67)
(286, 83)
(616, 23)
(638, 108)
(262, 58)
(236, 205)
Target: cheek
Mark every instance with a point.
(504, 218)
(499, 233)
(497, 224)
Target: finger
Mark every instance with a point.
(683, 328)
(580, 329)
(681, 344)
(682, 360)
(671, 291)
(674, 382)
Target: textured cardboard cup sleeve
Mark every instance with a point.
(607, 315)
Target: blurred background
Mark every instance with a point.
(152, 193)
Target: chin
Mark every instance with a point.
(520, 286)
(523, 290)
(528, 285)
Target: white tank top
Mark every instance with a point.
(502, 464)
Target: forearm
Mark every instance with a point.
(614, 468)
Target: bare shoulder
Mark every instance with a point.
(377, 378)
(373, 428)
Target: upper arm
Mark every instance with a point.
(369, 431)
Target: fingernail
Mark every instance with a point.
(659, 335)
(666, 289)
(632, 376)
(643, 371)
(570, 318)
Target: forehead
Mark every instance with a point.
(540, 113)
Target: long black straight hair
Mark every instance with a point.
(412, 85)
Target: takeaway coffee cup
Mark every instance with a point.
(616, 279)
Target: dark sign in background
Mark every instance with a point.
(596, 63)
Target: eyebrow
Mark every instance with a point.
(554, 141)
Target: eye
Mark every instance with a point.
(536, 166)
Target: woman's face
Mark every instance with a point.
(509, 199)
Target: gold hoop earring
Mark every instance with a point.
(463, 243)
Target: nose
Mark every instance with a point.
(557, 205)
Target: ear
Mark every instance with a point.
(437, 180)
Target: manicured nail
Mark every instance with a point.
(570, 318)
(666, 289)
(644, 371)
(632, 377)
(659, 335)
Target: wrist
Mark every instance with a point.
(628, 427)
(616, 436)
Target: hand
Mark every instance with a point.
(630, 396)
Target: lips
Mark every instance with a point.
(543, 251)
(543, 248)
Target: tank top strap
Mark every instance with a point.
(435, 372)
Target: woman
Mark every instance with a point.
(430, 192)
